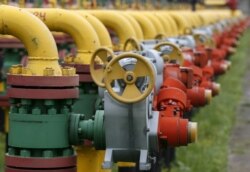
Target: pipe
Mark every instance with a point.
(135, 24)
(148, 29)
(83, 33)
(117, 23)
(21, 3)
(157, 24)
(100, 29)
(4, 2)
(182, 24)
(53, 3)
(166, 25)
(37, 39)
(171, 22)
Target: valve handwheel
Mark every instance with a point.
(201, 39)
(174, 54)
(131, 93)
(132, 44)
(98, 63)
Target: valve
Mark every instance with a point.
(132, 91)
(132, 44)
(170, 52)
(98, 63)
(203, 40)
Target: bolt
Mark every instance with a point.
(130, 78)
(68, 71)
(16, 69)
(26, 71)
(48, 71)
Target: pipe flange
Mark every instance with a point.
(99, 135)
(40, 163)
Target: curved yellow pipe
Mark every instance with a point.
(166, 25)
(135, 24)
(35, 36)
(171, 22)
(185, 15)
(83, 33)
(157, 24)
(100, 29)
(117, 23)
(182, 24)
(148, 29)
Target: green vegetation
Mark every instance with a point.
(215, 121)
(2, 148)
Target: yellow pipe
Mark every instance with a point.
(100, 29)
(182, 24)
(4, 2)
(21, 3)
(157, 24)
(171, 22)
(83, 33)
(186, 15)
(36, 37)
(117, 23)
(166, 25)
(149, 31)
(135, 24)
(53, 3)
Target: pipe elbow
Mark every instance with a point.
(148, 29)
(157, 24)
(171, 22)
(181, 23)
(117, 23)
(135, 24)
(166, 25)
(82, 32)
(35, 36)
(100, 29)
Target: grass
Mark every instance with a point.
(210, 153)
(2, 148)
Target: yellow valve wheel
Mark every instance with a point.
(201, 39)
(174, 54)
(132, 44)
(131, 93)
(98, 63)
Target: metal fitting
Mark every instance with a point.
(68, 71)
(192, 132)
(16, 69)
(208, 95)
(48, 71)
